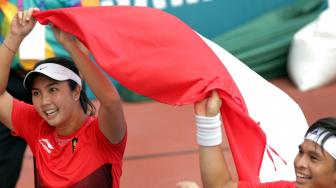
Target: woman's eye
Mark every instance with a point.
(35, 93)
(52, 89)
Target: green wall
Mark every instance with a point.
(215, 17)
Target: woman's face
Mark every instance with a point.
(313, 167)
(54, 100)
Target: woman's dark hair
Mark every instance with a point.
(329, 127)
(86, 104)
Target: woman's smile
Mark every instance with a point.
(51, 113)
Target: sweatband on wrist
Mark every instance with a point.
(318, 135)
(208, 130)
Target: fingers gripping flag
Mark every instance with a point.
(155, 54)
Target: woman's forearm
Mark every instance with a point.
(8, 50)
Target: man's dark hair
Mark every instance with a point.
(328, 125)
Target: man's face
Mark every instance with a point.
(313, 167)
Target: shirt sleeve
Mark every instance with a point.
(25, 122)
(276, 184)
(116, 151)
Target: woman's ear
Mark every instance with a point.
(76, 93)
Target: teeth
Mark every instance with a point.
(48, 112)
(302, 176)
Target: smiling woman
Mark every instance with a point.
(62, 127)
(46, 84)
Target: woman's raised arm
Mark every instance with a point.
(21, 25)
(111, 117)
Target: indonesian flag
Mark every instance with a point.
(155, 54)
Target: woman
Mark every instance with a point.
(71, 146)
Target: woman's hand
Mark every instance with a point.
(23, 23)
(20, 27)
(209, 106)
(62, 37)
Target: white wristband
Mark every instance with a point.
(209, 132)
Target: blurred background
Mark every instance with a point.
(291, 43)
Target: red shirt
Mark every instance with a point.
(276, 184)
(84, 159)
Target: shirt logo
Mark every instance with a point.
(74, 143)
(46, 145)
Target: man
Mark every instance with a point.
(315, 163)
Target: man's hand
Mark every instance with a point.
(209, 106)
(186, 184)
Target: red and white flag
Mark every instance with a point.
(155, 54)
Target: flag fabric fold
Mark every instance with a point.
(155, 54)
